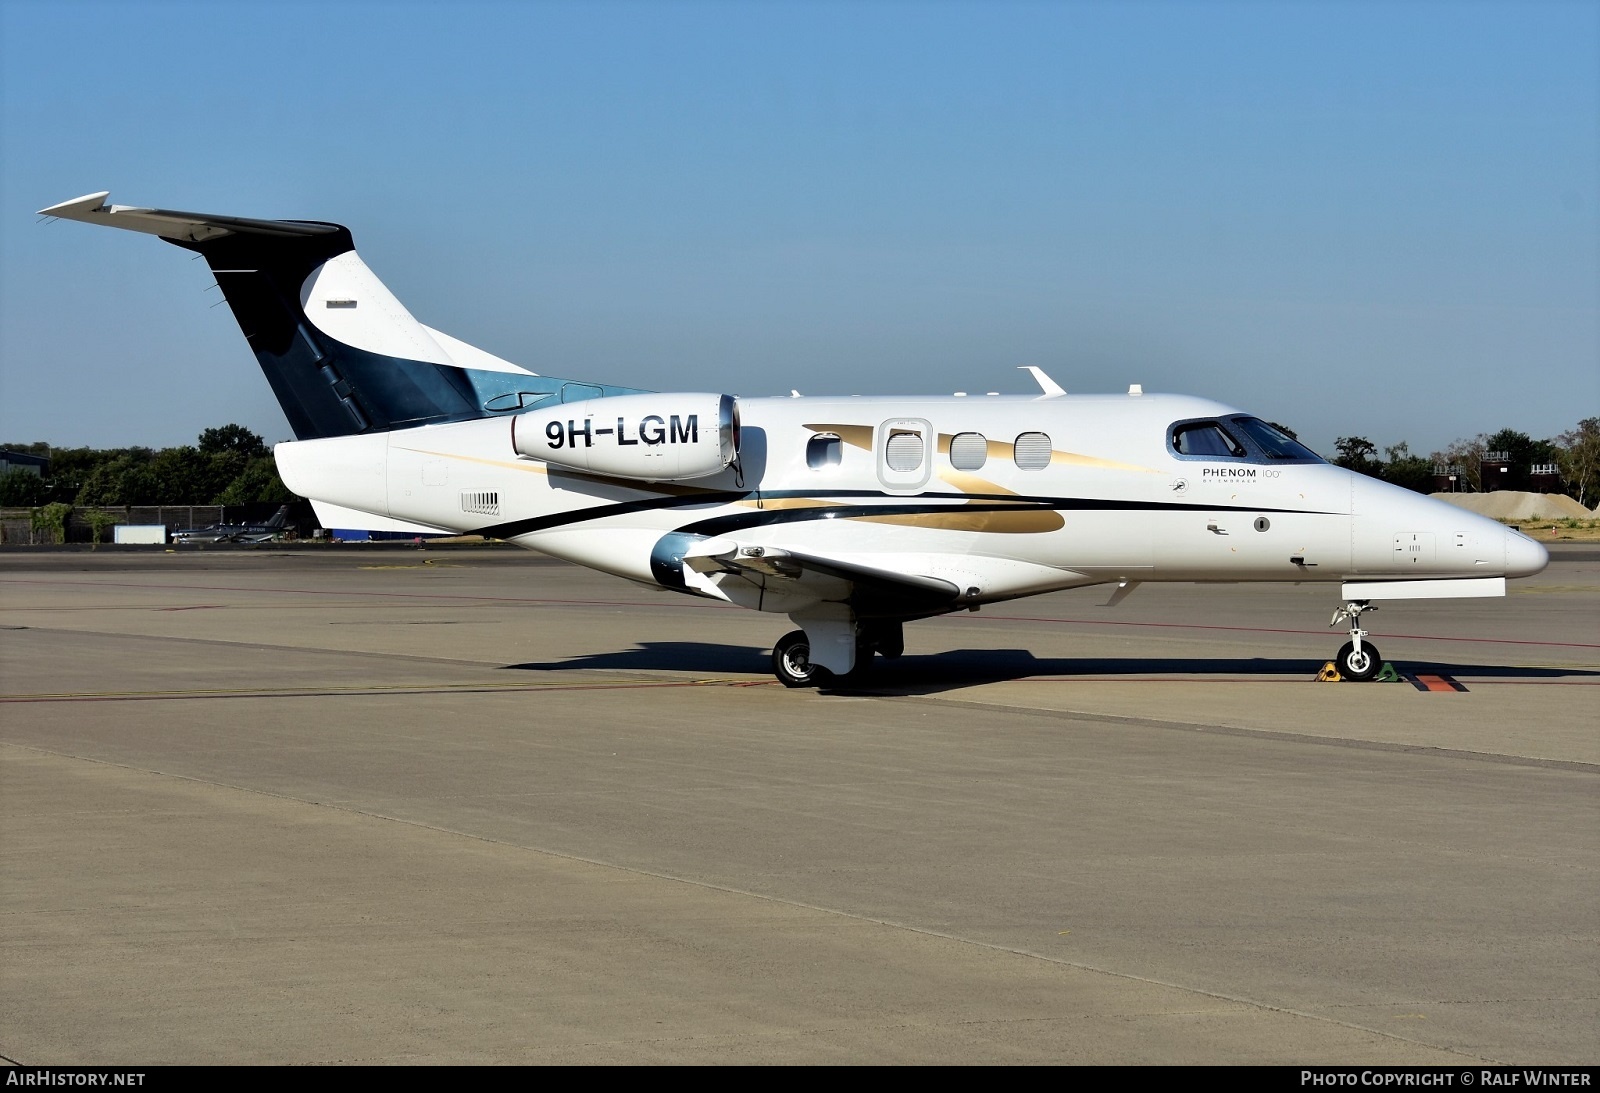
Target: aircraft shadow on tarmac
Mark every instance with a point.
(957, 668)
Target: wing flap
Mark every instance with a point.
(873, 590)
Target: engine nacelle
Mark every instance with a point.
(654, 438)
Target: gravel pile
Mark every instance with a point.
(1516, 505)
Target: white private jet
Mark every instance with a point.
(850, 515)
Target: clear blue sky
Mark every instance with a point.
(1368, 218)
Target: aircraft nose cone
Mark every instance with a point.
(1524, 557)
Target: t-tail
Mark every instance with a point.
(342, 354)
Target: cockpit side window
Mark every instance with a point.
(1207, 439)
(1272, 441)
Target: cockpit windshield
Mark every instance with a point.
(1272, 441)
(1238, 437)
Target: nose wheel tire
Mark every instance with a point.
(1358, 665)
(791, 662)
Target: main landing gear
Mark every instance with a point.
(791, 662)
(1358, 659)
(791, 657)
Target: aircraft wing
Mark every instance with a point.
(873, 590)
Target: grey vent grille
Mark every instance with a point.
(482, 503)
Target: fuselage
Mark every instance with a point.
(1006, 496)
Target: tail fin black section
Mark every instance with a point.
(341, 353)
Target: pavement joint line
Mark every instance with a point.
(519, 601)
(771, 1034)
(1535, 683)
(380, 655)
(974, 620)
(1267, 734)
(962, 618)
(357, 692)
(1460, 1001)
(1285, 677)
(777, 900)
(266, 647)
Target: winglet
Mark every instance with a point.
(79, 208)
(1050, 387)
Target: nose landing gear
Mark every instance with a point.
(1358, 659)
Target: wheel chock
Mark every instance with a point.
(1389, 674)
(1329, 674)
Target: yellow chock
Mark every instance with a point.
(1389, 674)
(1329, 674)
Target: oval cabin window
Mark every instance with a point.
(968, 451)
(1033, 451)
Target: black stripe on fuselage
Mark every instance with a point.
(974, 503)
(740, 521)
(513, 528)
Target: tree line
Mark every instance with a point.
(1575, 454)
(229, 465)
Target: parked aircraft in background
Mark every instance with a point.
(235, 533)
(852, 515)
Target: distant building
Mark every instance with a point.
(1495, 471)
(1544, 478)
(17, 461)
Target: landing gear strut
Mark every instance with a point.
(1358, 659)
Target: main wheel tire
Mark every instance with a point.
(791, 662)
(1359, 667)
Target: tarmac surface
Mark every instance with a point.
(376, 804)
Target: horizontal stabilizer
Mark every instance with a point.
(172, 224)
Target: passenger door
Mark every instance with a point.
(905, 450)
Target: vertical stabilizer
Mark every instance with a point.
(342, 354)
